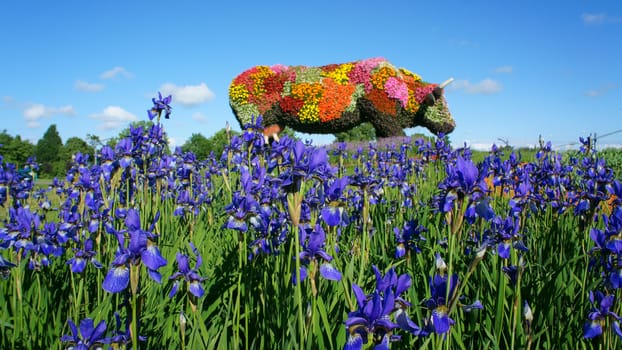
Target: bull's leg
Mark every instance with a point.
(272, 131)
(387, 127)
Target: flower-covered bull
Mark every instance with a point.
(338, 97)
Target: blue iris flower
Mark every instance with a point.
(408, 237)
(160, 105)
(438, 303)
(140, 249)
(313, 241)
(5, 267)
(87, 336)
(185, 273)
(601, 310)
(82, 257)
(372, 320)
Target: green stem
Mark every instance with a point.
(500, 299)
(517, 300)
(236, 323)
(134, 279)
(17, 299)
(364, 237)
(301, 317)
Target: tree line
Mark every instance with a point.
(55, 156)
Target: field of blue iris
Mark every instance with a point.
(409, 245)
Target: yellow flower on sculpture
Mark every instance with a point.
(340, 74)
(379, 78)
(408, 73)
(259, 77)
(238, 94)
(309, 113)
(307, 91)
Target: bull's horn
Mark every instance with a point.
(447, 82)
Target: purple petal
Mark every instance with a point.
(356, 321)
(195, 251)
(615, 278)
(406, 323)
(331, 215)
(132, 220)
(151, 257)
(592, 329)
(324, 255)
(385, 323)
(116, 279)
(403, 283)
(400, 251)
(74, 329)
(138, 241)
(504, 250)
(441, 321)
(196, 289)
(155, 275)
(360, 295)
(329, 272)
(174, 289)
(384, 345)
(303, 275)
(98, 332)
(77, 265)
(67, 338)
(86, 328)
(476, 305)
(355, 342)
(96, 263)
(182, 263)
(606, 303)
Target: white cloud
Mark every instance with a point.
(187, 95)
(601, 90)
(593, 18)
(199, 117)
(114, 72)
(113, 117)
(174, 142)
(35, 112)
(504, 69)
(81, 85)
(484, 87)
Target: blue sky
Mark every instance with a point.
(521, 68)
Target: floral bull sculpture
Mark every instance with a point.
(337, 97)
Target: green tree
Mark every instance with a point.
(14, 149)
(94, 141)
(220, 140)
(363, 132)
(48, 150)
(199, 145)
(21, 150)
(74, 145)
(202, 146)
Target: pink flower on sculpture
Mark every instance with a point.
(397, 89)
(279, 68)
(361, 72)
(422, 92)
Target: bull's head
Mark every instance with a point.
(436, 116)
